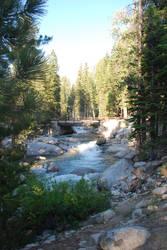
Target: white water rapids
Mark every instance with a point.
(84, 156)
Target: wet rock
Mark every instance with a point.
(36, 148)
(127, 238)
(83, 171)
(120, 170)
(53, 167)
(48, 140)
(100, 141)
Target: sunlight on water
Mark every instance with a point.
(85, 146)
(85, 155)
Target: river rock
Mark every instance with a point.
(121, 154)
(118, 148)
(120, 170)
(139, 164)
(123, 133)
(102, 217)
(38, 171)
(83, 171)
(143, 203)
(36, 148)
(52, 167)
(131, 154)
(125, 238)
(100, 141)
(48, 140)
(151, 166)
(160, 191)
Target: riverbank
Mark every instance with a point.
(137, 208)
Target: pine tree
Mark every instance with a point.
(52, 89)
(21, 63)
(65, 94)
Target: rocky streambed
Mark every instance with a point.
(138, 190)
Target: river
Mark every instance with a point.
(84, 157)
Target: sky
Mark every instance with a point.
(81, 31)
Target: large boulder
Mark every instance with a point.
(122, 151)
(36, 148)
(117, 172)
(125, 238)
(101, 141)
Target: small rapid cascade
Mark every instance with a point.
(83, 159)
(85, 155)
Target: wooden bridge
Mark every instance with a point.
(79, 123)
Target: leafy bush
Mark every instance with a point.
(59, 207)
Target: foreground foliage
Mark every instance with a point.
(33, 207)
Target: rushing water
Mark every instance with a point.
(84, 156)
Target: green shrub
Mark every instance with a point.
(61, 207)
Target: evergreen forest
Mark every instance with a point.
(130, 82)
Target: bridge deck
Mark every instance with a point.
(79, 123)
